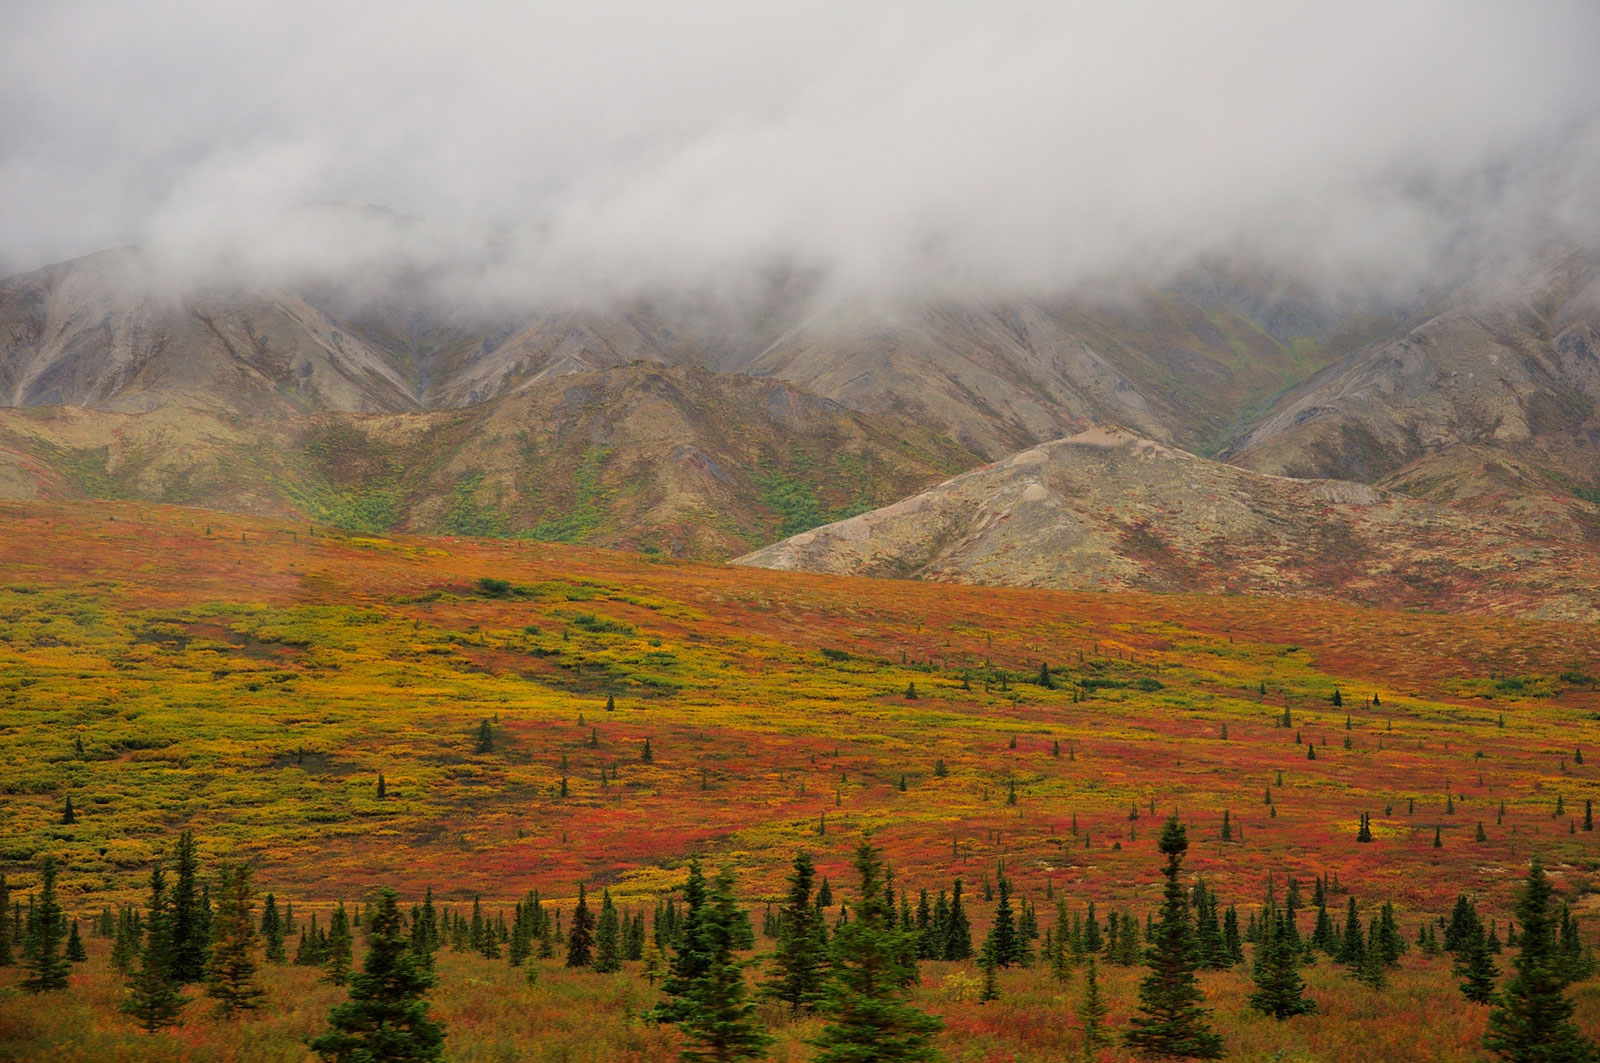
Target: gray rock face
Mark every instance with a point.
(1107, 509)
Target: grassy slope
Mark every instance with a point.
(679, 461)
(251, 682)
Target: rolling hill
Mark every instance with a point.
(1109, 510)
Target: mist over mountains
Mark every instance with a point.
(602, 276)
(543, 156)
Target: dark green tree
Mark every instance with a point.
(1352, 945)
(340, 952)
(125, 943)
(799, 963)
(1003, 946)
(688, 962)
(1476, 968)
(232, 982)
(718, 1023)
(1532, 1022)
(580, 938)
(1280, 992)
(153, 996)
(1092, 1015)
(46, 965)
(189, 941)
(868, 1018)
(608, 938)
(76, 953)
(386, 1018)
(272, 931)
(1172, 1024)
(958, 930)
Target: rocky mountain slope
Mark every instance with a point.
(1107, 509)
(105, 332)
(685, 461)
(686, 428)
(1512, 366)
(1002, 375)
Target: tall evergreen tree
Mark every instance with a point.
(125, 944)
(1092, 1015)
(719, 1024)
(1352, 945)
(232, 982)
(386, 1018)
(1280, 992)
(608, 937)
(1475, 967)
(1003, 945)
(688, 962)
(1172, 1023)
(188, 921)
(47, 966)
(153, 996)
(864, 1004)
(340, 953)
(580, 939)
(958, 932)
(799, 963)
(1533, 1020)
(272, 931)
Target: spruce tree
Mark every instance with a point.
(1172, 1023)
(188, 921)
(46, 965)
(76, 953)
(272, 931)
(336, 961)
(718, 1023)
(688, 962)
(125, 944)
(1092, 1015)
(386, 1017)
(1352, 946)
(799, 963)
(991, 985)
(580, 939)
(1002, 946)
(232, 981)
(1532, 1022)
(1280, 992)
(958, 935)
(608, 938)
(153, 996)
(863, 1003)
(1475, 967)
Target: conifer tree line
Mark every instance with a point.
(848, 956)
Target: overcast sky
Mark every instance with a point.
(552, 148)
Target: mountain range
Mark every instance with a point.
(1219, 433)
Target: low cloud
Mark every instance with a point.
(557, 152)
